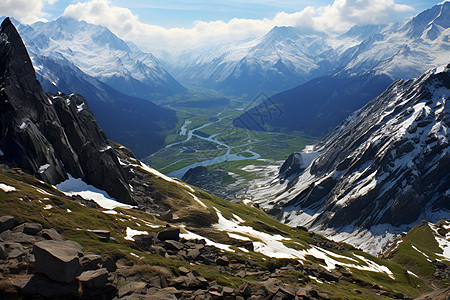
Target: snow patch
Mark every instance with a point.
(132, 232)
(43, 168)
(80, 107)
(7, 188)
(198, 200)
(24, 125)
(193, 236)
(78, 187)
(238, 236)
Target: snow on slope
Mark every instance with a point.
(379, 173)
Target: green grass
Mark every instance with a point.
(76, 225)
(421, 237)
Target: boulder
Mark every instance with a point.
(3, 252)
(91, 262)
(173, 245)
(170, 234)
(15, 250)
(109, 264)
(94, 279)
(131, 287)
(59, 260)
(31, 228)
(223, 261)
(193, 254)
(144, 241)
(103, 235)
(183, 270)
(6, 223)
(51, 234)
(43, 286)
(18, 237)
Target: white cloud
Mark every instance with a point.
(27, 11)
(335, 17)
(344, 13)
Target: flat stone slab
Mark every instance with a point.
(59, 260)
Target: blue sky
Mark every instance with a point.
(176, 13)
(185, 24)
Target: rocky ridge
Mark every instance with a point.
(382, 169)
(51, 135)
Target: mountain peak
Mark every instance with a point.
(436, 15)
(282, 32)
(15, 63)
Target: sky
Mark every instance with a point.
(167, 24)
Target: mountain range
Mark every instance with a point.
(360, 73)
(278, 60)
(81, 217)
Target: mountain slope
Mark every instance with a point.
(99, 53)
(136, 123)
(380, 172)
(424, 250)
(49, 135)
(315, 107)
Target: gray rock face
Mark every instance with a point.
(59, 260)
(387, 164)
(292, 166)
(51, 135)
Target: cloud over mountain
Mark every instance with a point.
(331, 18)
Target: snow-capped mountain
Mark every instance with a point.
(278, 60)
(362, 72)
(379, 173)
(404, 50)
(101, 54)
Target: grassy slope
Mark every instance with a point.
(75, 221)
(418, 251)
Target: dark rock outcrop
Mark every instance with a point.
(193, 173)
(6, 223)
(51, 135)
(292, 166)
